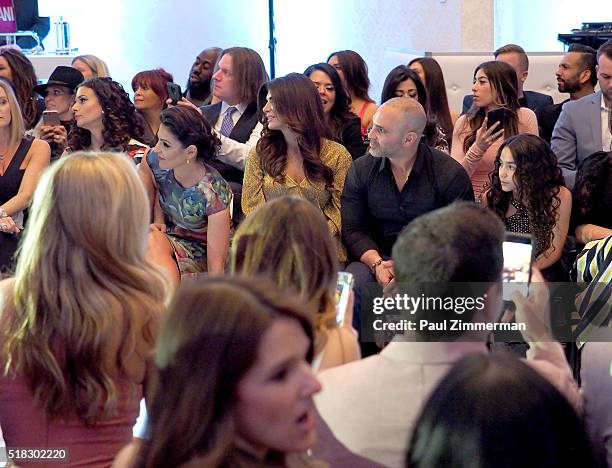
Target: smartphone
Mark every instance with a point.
(344, 286)
(518, 258)
(500, 115)
(51, 118)
(174, 92)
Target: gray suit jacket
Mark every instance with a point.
(577, 134)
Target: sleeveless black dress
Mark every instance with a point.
(9, 186)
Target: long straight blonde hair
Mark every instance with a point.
(17, 126)
(82, 254)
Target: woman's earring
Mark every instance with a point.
(188, 161)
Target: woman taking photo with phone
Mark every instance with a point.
(287, 240)
(527, 191)
(475, 139)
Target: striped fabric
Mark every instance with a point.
(594, 304)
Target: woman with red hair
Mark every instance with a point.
(150, 95)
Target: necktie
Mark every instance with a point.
(228, 124)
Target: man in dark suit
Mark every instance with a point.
(26, 15)
(515, 56)
(585, 125)
(577, 76)
(238, 76)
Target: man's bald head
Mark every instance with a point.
(409, 113)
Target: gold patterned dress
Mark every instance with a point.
(259, 187)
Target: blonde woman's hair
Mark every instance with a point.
(97, 65)
(287, 240)
(82, 258)
(17, 127)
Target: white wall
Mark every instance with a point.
(133, 35)
(535, 24)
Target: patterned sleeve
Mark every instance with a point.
(218, 196)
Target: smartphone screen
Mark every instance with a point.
(343, 291)
(518, 255)
(51, 118)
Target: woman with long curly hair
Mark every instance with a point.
(475, 144)
(287, 240)
(294, 155)
(343, 124)
(189, 199)
(592, 213)
(528, 193)
(19, 71)
(354, 74)
(106, 119)
(78, 321)
(404, 82)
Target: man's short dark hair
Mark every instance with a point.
(605, 49)
(516, 49)
(588, 60)
(460, 243)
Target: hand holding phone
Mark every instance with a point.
(174, 92)
(500, 115)
(344, 287)
(518, 259)
(51, 118)
(534, 311)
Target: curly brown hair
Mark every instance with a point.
(24, 80)
(538, 179)
(120, 120)
(591, 179)
(297, 101)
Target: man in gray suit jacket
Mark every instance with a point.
(584, 126)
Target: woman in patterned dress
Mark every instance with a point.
(294, 156)
(190, 200)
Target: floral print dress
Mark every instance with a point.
(186, 212)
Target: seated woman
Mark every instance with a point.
(354, 74)
(22, 161)
(474, 144)
(343, 124)
(190, 201)
(235, 386)
(293, 157)
(528, 192)
(90, 66)
(59, 97)
(78, 320)
(404, 82)
(287, 240)
(592, 213)
(150, 95)
(432, 77)
(492, 411)
(106, 119)
(19, 71)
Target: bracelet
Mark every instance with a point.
(375, 264)
(3, 213)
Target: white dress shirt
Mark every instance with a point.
(606, 136)
(232, 152)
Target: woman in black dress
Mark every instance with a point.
(22, 160)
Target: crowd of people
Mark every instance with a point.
(185, 253)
